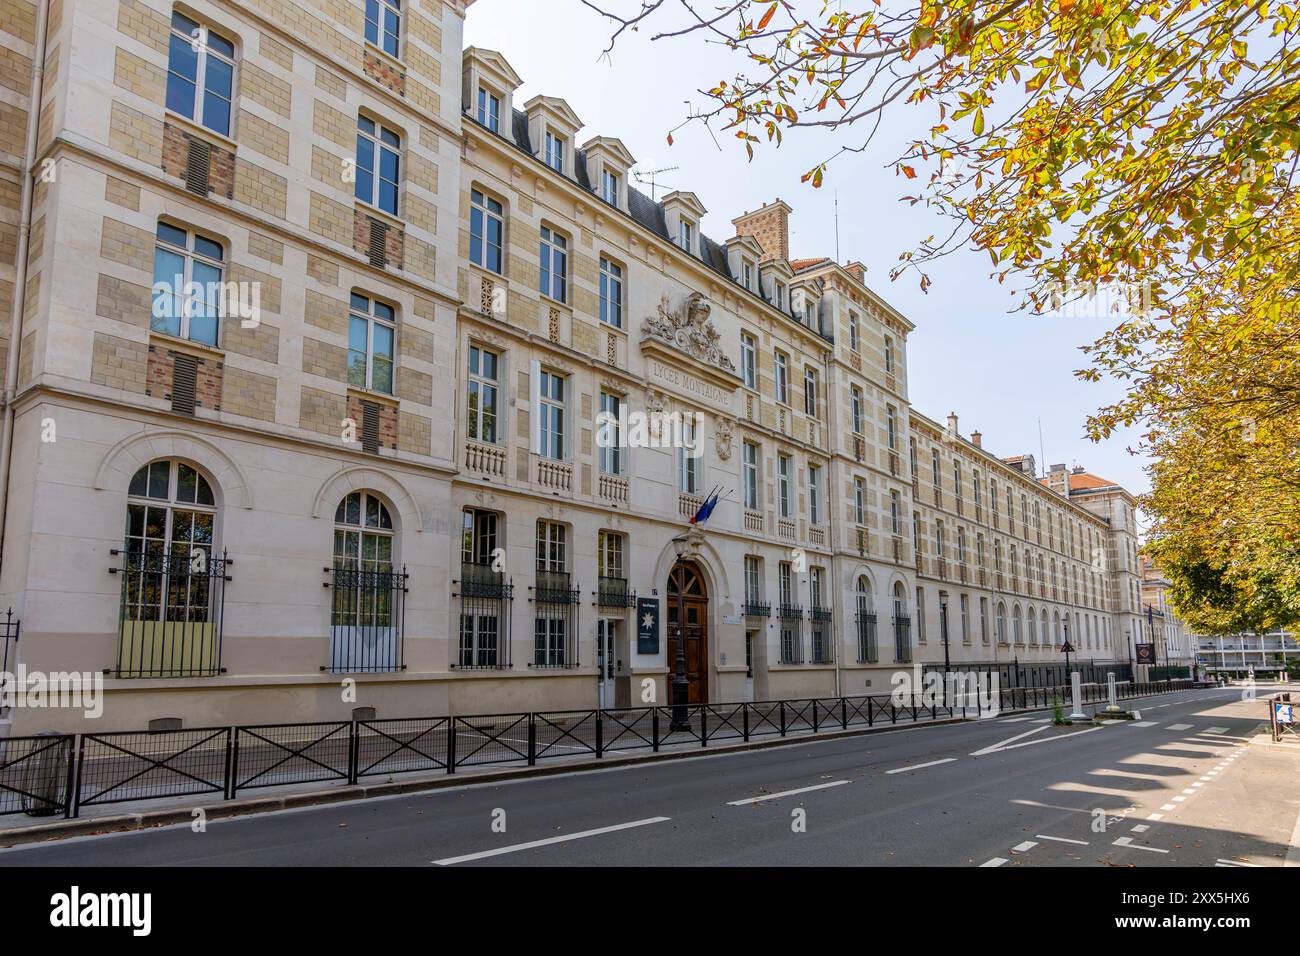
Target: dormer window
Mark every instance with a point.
(489, 110)
(384, 24)
(778, 295)
(747, 275)
(554, 152)
(609, 183)
(686, 234)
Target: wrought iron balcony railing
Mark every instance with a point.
(613, 592)
(757, 609)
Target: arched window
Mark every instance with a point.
(1056, 628)
(171, 584)
(1001, 619)
(1016, 625)
(866, 619)
(1032, 620)
(902, 625)
(1043, 631)
(366, 616)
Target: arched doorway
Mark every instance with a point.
(686, 588)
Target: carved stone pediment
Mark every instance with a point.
(689, 330)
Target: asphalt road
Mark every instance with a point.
(1179, 787)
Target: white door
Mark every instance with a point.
(605, 630)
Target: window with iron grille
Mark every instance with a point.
(484, 593)
(368, 592)
(172, 584)
(187, 289)
(372, 326)
(555, 600)
(200, 74)
(866, 622)
(613, 590)
(902, 626)
(378, 167)
(754, 604)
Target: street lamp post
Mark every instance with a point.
(681, 685)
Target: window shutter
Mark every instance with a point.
(184, 383)
(378, 243)
(535, 401)
(198, 166)
(370, 428)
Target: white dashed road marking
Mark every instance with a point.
(785, 793)
(996, 861)
(1179, 727)
(1044, 836)
(920, 766)
(549, 841)
(1128, 842)
(1024, 847)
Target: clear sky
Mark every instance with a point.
(1002, 372)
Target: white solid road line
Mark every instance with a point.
(1024, 847)
(1044, 836)
(996, 861)
(1223, 862)
(1128, 842)
(921, 766)
(785, 793)
(549, 841)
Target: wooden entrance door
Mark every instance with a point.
(686, 586)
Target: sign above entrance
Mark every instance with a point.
(647, 625)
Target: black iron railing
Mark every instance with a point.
(485, 600)
(819, 613)
(757, 609)
(790, 612)
(614, 592)
(791, 640)
(367, 621)
(39, 775)
(170, 620)
(867, 651)
(823, 644)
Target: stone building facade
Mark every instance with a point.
(435, 444)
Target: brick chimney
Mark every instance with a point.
(770, 225)
(952, 424)
(858, 271)
(1058, 480)
(977, 439)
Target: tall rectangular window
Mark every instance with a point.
(747, 275)
(609, 433)
(783, 485)
(482, 401)
(891, 427)
(753, 579)
(857, 402)
(814, 494)
(854, 332)
(965, 619)
(920, 615)
(894, 509)
(489, 109)
(750, 463)
(688, 461)
(378, 164)
(384, 24)
(810, 392)
(782, 379)
(889, 355)
(553, 279)
(187, 271)
(554, 152)
(486, 231)
(200, 74)
(785, 583)
(371, 329)
(552, 415)
(611, 293)
(609, 554)
(609, 184)
(860, 501)
(748, 360)
(686, 234)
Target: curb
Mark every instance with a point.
(150, 819)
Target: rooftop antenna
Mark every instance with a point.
(650, 178)
(1042, 455)
(837, 225)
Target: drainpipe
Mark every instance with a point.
(832, 504)
(20, 268)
